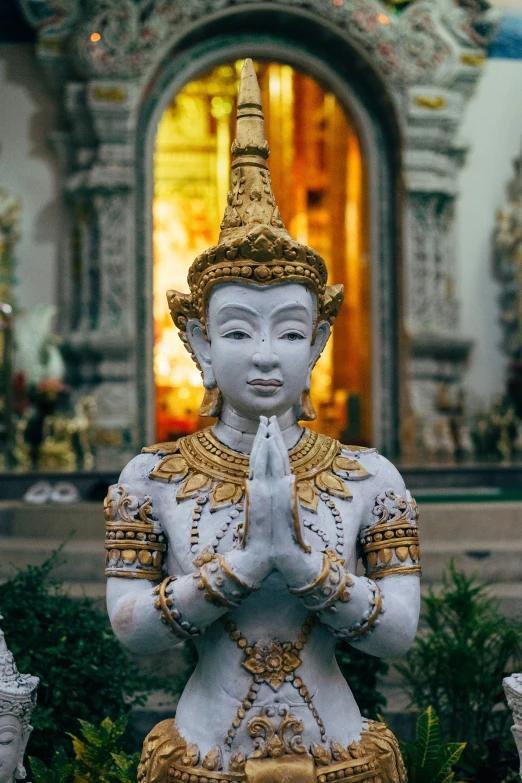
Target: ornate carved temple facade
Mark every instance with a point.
(405, 79)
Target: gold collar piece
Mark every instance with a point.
(203, 464)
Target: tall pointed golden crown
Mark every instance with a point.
(254, 245)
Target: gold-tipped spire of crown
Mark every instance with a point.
(254, 245)
(250, 199)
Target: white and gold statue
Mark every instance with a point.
(17, 701)
(245, 536)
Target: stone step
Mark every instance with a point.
(475, 521)
(79, 561)
(51, 520)
(493, 560)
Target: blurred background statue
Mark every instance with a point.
(17, 701)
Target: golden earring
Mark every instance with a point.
(212, 402)
(307, 408)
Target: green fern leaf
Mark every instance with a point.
(428, 744)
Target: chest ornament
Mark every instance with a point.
(201, 463)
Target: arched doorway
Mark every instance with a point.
(362, 99)
(320, 182)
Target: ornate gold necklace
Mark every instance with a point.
(203, 464)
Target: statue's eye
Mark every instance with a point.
(292, 336)
(237, 335)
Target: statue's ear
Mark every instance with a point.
(201, 348)
(20, 771)
(322, 334)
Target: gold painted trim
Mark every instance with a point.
(297, 522)
(476, 60)
(152, 576)
(431, 102)
(399, 571)
(235, 578)
(365, 629)
(139, 527)
(211, 776)
(319, 579)
(391, 543)
(125, 543)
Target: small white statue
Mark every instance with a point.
(17, 701)
(513, 690)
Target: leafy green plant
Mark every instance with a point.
(362, 671)
(98, 757)
(69, 644)
(456, 666)
(429, 759)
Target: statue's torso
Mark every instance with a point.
(197, 500)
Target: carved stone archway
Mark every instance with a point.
(413, 71)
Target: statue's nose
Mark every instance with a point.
(265, 358)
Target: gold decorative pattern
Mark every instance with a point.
(203, 464)
(431, 102)
(276, 742)
(376, 758)
(273, 664)
(391, 547)
(134, 544)
(475, 60)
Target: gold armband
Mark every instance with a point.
(391, 547)
(330, 585)
(134, 543)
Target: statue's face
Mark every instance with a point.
(11, 747)
(259, 349)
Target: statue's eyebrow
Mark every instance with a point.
(224, 309)
(286, 308)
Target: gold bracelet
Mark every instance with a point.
(368, 625)
(318, 581)
(228, 571)
(171, 616)
(331, 585)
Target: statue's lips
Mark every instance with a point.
(265, 385)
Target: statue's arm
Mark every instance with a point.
(151, 610)
(378, 612)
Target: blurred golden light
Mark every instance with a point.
(95, 37)
(318, 177)
(383, 19)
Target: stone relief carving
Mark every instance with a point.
(429, 57)
(418, 45)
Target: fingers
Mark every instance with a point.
(280, 464)
(259, 455)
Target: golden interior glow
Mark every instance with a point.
(318, 177)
